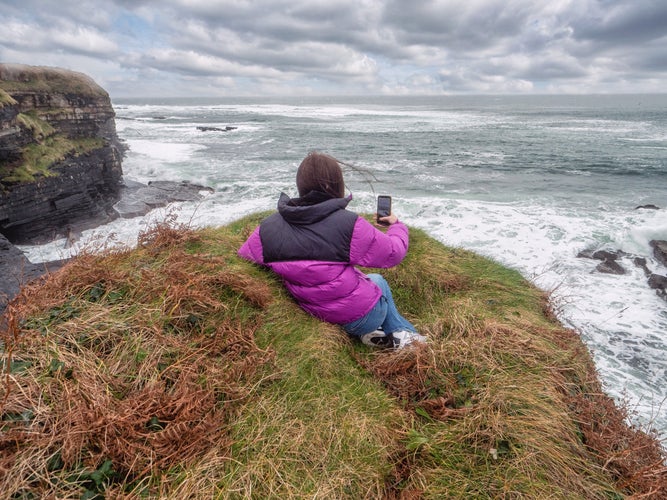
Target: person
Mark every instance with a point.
(314, 243)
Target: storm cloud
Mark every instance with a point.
(311, 47)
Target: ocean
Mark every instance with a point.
(529, 181)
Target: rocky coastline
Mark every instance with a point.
(610, 261)
(61, 167)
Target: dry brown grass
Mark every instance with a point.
(146, 383)
(521, 397)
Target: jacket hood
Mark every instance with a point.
(311, 208)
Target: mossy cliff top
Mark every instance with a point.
(42, 79)
(177, 370)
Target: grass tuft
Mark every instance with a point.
(6, 99)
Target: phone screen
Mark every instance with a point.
(384, 208)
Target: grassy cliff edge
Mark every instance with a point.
(177, 370)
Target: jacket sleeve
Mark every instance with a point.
(252, 249)
(370, 247)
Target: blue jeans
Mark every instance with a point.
(383, 315)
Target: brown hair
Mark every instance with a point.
(320, 172)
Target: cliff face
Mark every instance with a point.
(81, 193)
(60, 157)
(13, 138)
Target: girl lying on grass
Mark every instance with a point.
(314, 243)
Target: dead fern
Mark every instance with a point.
(138, 359)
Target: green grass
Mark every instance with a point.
(177, 370)
(6, 99)
(48, 149)
(39, 128)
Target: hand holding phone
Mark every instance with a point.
(383, 209)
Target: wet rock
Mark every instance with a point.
(660, 250)
(216, 129)
(585, 254)
(601, 254)
(16, 270)
(640, 262)
(610, 267)
(648, 207)
(608, 255)
(657, 281)
(610, 264)
(659, 284)
(608, 258)
(138, 199)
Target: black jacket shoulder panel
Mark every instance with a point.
(325, 239)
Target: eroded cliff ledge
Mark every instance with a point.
(60, 157)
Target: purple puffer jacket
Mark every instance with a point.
(331, 290)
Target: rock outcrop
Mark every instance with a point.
(16, 270)
(138, 199)
(60, 157)
(77, 196)
(610, 265)
(659, 250)
(216, 129)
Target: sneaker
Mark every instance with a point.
(378, 338)
(404, 338)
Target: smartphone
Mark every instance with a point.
(384, 208)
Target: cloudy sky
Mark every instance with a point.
(334, 47)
